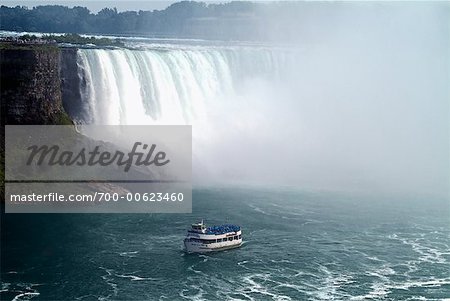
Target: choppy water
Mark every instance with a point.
(298, 246)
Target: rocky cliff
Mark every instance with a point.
(72, 83)
(30, 89)
(31, 85)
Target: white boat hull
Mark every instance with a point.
(197, 247)
(203, 243)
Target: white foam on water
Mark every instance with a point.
(108, 281)
(259, 284)
(26, 291)
(331, 283)
(185, 293)
(25, 296)
(434, 283)
(136, 278)
(5, 286)
(129, 253)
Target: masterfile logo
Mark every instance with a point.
(53, 155)
(98, 169)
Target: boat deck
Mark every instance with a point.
(222, 229)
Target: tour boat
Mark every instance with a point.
(202, 239)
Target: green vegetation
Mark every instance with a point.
(63, 119)
(239, 20)
(74, 38)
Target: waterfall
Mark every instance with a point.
(168, 85)
(229, 95)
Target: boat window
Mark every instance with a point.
(230, 238)
(240, 236)
(219, 240)
(236, 237)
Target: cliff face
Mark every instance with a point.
(31, 86)
(30, 90)
(72, 82)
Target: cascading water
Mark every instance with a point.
(223, 92)
(168, 85)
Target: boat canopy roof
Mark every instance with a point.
(222, 229)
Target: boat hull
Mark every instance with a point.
(191, 247)
(217, 238)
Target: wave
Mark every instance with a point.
(28, 296)
(24, 291)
